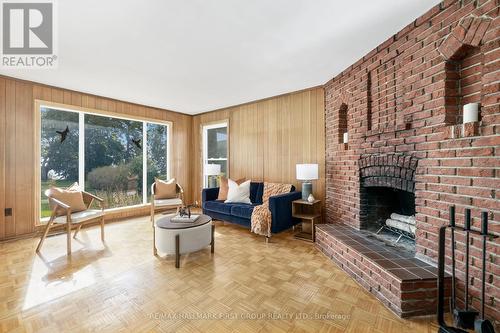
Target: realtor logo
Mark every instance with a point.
(28, 34)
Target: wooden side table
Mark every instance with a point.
(310, 214)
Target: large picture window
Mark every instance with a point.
(215, 151)
(115, 158)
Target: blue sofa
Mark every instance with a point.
(240, 213)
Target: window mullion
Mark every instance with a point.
(144, 163)
(81, 150)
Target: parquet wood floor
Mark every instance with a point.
(246, 286)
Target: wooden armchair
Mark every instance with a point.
(61, 214)
(165, 204)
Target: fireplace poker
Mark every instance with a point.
(483, 325)
(465, 318)
(452, 225)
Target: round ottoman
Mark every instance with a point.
(180, 238)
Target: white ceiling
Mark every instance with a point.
(193, 56)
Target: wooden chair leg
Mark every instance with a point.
(77, 230)
(68, 237)
(155, 251)
(212, 243)
(177, 251)
(45, 233)
(102, 228)
(153, 217)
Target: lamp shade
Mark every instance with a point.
(307, 171)
(212, 169)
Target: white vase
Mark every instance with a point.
(310, 198)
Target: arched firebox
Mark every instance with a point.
(387, 185)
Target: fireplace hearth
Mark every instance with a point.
(405, 284)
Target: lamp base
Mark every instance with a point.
(212, 181)
(306, 190)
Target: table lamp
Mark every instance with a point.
(306, 173)
(210, 171)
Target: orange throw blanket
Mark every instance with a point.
(261, 215)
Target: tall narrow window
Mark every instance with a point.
(113, 157)
(215, 153)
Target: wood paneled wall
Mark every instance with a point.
(268, 138)
(17, 142)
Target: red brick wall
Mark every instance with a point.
(406, 96)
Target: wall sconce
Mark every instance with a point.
(471, 113)
(346, 137)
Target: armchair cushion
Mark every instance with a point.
(88, 214)
(165, 190)
(168, 202)
(72, 198)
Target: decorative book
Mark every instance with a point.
(184, 219)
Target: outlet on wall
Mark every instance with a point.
(8, 211)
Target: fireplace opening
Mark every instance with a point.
(390, 216)
(382, 202)
(388, 199)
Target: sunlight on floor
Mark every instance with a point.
(53, 277)
(44, 287)
(54, 274)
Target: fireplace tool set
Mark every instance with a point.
(465, 318)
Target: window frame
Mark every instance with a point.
(204, 159)
(82, 111)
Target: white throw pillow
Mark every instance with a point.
(238, 193)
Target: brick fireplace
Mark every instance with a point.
(401, 105)
(387, 185)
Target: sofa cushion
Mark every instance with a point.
(242, 210)
(218, 206)
(256, 190)
(224, 187)
(238, 193)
